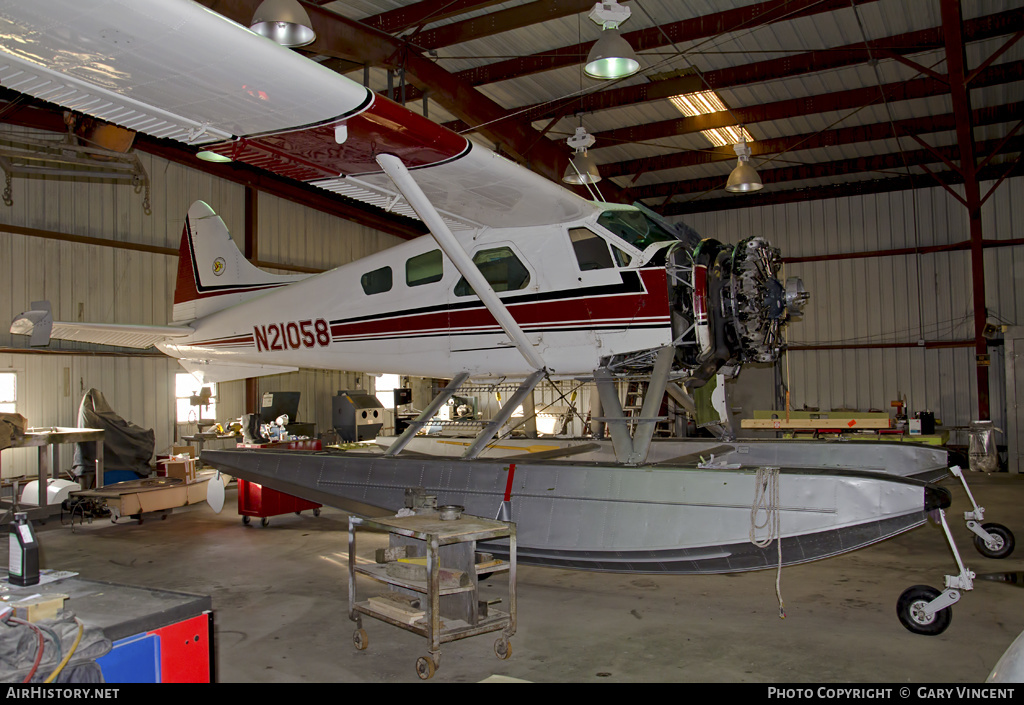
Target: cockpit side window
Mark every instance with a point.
(634, 227)
(591, 250)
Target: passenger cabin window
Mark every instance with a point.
(424, 269)
(591, 250)
(376, 282)
(501, 268)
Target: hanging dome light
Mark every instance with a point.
(611, 56)
(284, 21)
(582, 168)
(744, 178)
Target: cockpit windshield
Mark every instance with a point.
(634, 227)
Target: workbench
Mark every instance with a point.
(48, 441)
(451, 612)
(199, 441)
(159, 636)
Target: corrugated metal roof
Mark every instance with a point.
(751, 42)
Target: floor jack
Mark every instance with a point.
(924, 610)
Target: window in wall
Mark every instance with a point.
(8, 391)
(385, 386)
(591, 250)
(424, 269)
(377, 282)
(186, 390)
(501, 268)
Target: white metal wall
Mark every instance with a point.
(103, 284)
(890, 299)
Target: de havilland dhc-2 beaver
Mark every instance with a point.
(519, 279)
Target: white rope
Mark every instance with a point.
(766, 499)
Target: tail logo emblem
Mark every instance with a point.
(218, 266)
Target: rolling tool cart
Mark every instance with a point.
(257, 501)
(431, 574)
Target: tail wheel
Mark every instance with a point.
(910, 610)
(1001, 544)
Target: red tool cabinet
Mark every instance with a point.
(255, 500)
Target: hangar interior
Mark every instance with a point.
(886, 134)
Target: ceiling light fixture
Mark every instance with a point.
(582, 169)
(611, 56)
(284, 21)
(208, 156)
(705, 103)
(744, 178)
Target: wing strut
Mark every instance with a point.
(414, 427)
(398, 172)
(503, 415)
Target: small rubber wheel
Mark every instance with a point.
(424, 668)
(1001, 545)
(360, 639)
(316, 512)
(298, 514)
(910, 610)
(246, 520)
(265, 521)
(502, 649)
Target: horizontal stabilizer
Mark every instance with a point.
(207, 371)
(39, 324)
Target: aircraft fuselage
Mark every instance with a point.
(407, 310)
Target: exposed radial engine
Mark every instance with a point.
(728, 304)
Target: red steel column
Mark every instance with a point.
(952, 21)
(251, 247)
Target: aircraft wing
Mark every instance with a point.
(174, 69)
(38, 324)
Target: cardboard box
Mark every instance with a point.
(182, 468)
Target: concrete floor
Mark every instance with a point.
(280, 596)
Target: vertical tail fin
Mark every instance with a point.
(212, 273)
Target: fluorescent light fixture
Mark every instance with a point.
(704, 103)
(724, 136)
